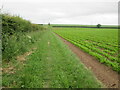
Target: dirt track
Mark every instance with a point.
(103, 73)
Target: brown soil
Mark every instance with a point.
(22, 57)
(103, 73)
(10, 70)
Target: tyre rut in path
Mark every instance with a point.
(103, 73)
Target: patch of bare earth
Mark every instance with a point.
(23, 57)
(11, 69)
(103, 73)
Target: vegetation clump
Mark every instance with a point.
(14, 35)
(99, 26)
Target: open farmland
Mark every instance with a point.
(34, 57)
(100, 43)
(52, 44)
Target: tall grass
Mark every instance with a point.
(14, 38)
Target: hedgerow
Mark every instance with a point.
(14, 35)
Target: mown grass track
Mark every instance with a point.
(52, 65)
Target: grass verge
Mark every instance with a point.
(52, 65)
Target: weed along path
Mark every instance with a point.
(52, 65)
(105, 74)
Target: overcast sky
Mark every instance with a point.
(64, 11)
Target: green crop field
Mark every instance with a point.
(100, 43)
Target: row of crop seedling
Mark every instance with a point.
(102, 45)
(107, 49)
(113, 48)
(94, 49)
(115, 65)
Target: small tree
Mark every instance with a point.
(49, 24)
(99, 25)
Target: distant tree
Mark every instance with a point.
(49, 24)
(99, 25)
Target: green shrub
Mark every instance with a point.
(14, 35)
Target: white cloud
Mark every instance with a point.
(91, 19)
(65, 11)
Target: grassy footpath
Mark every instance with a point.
(51, 65)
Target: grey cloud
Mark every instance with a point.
(64, 12)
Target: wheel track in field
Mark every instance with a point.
(103, 73)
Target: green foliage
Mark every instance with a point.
(99, 25)
(13, 24)
(14, 38)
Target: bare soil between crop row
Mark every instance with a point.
(103, 73)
